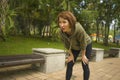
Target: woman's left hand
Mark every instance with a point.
(85, 59)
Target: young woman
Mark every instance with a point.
(76, 41)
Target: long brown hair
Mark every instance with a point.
(68, 16)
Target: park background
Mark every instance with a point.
(27, 24)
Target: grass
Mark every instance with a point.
(24, 45)
(100, 45)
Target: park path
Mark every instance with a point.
(108, 69)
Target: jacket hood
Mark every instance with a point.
(76, 30)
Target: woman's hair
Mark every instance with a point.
(68, 16)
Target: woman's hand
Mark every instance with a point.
(84, 59)
(70, 58)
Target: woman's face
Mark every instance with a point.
(64, 25)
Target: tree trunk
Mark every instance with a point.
(3, 5)
(106, 33)
(97, 32)
(2, 35)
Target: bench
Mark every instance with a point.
(114, 52)
(54, 59)
(97, 54)
(14, 60)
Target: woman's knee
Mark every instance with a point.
(70, 64)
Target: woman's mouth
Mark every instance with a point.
(62, 28)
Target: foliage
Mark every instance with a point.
(29, 17)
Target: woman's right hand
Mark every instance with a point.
(70, 58)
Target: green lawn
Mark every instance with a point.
(24, 45)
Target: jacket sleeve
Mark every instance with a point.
(82, 38)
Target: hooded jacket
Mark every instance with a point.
(78, 40)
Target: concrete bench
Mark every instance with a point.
(15, 60)
(114, 52)
(54, 59)
(97, 54)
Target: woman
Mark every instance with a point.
(76, 41)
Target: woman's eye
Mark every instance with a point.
(64, 21)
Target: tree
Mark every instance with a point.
(107, 10)
(3, 5)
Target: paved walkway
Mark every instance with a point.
(108, 69)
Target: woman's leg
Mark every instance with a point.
(85, 67)
(71, 64)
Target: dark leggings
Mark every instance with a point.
(86, 69)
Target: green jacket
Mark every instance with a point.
(78, 40)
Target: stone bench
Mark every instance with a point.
(54, 59)
(114, 52)
(97, 54)
(15, 60)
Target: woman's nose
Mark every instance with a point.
(61, 25)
